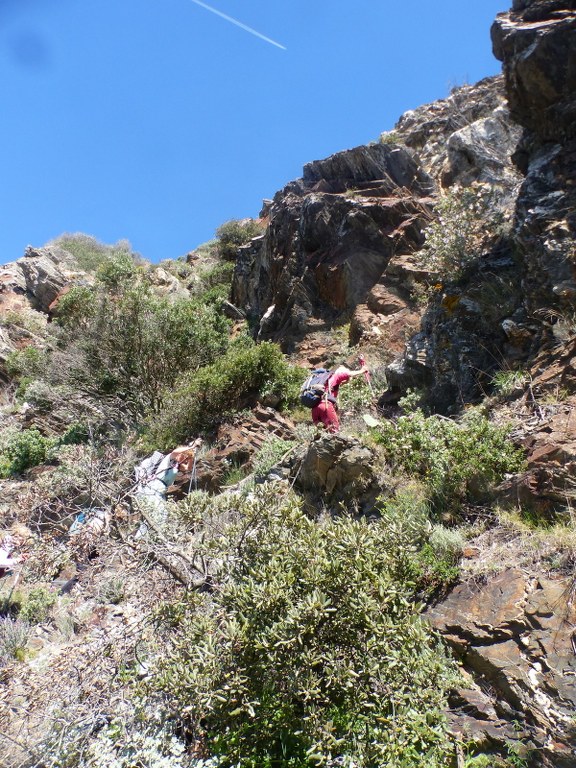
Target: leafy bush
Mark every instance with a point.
(234, 381)
(28, 362)
(507, 382)
(356, 396)
(117, 270)
(271, 452)
(217, 276)
(37, 605)
(310, 651)
(112, 590)
(458, 461)
(235, 233)
(454, 237)
(425, 556)
(21, 450)
(130, 344)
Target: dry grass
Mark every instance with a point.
(514, 543)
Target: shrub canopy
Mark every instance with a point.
(310, 650)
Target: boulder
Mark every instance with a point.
(339, 468)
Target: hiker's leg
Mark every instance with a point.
(326, 413)
(331, 420)
(317, 413)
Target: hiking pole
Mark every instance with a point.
(362, 362)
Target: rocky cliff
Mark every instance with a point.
(341, 249)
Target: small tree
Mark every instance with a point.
(122, 340)
(234, 381)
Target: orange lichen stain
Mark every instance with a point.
(450, 302)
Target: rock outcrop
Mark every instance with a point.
(515, 637)
(337, 469)
(536, 43)
(329, 239)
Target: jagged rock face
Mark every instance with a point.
(465, 334)
(514, 635)
(46, 272)
(537, 44)
(330, 238)
(466, 137)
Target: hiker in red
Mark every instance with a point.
(326, 412)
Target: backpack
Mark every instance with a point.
(314, 388)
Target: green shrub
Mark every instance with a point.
(14, 635)
(21, 450)
(426, 557)
(458, 461)
(507, 382)
(454, 238)
(271, 452)
(118, 269)
(133, 345)
(218, 276)
(28, 362)
(309, 651)
(234, 381)
(235, 233)
(36, 607)
(89, 253)
(76, 308)
(112, 590)
(356, 396)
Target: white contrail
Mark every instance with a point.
(238, 24)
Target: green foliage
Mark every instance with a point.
(235, 233)
(356, 396)
(21, 450)
(28, 362)
(36, 607)
(231, 383)
(311, 650)
(271, 452)
(425, 557)
(24, 366)
(126, 342)
(507, 382)
(14, 635)
(118, 269)
(390, 137)
(76, 308)
(458, 461)
(112, 590)
(454, 237)
(217, 276)
(88, 252)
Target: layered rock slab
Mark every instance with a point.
(514, 635)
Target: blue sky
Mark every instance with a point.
(158, 120)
